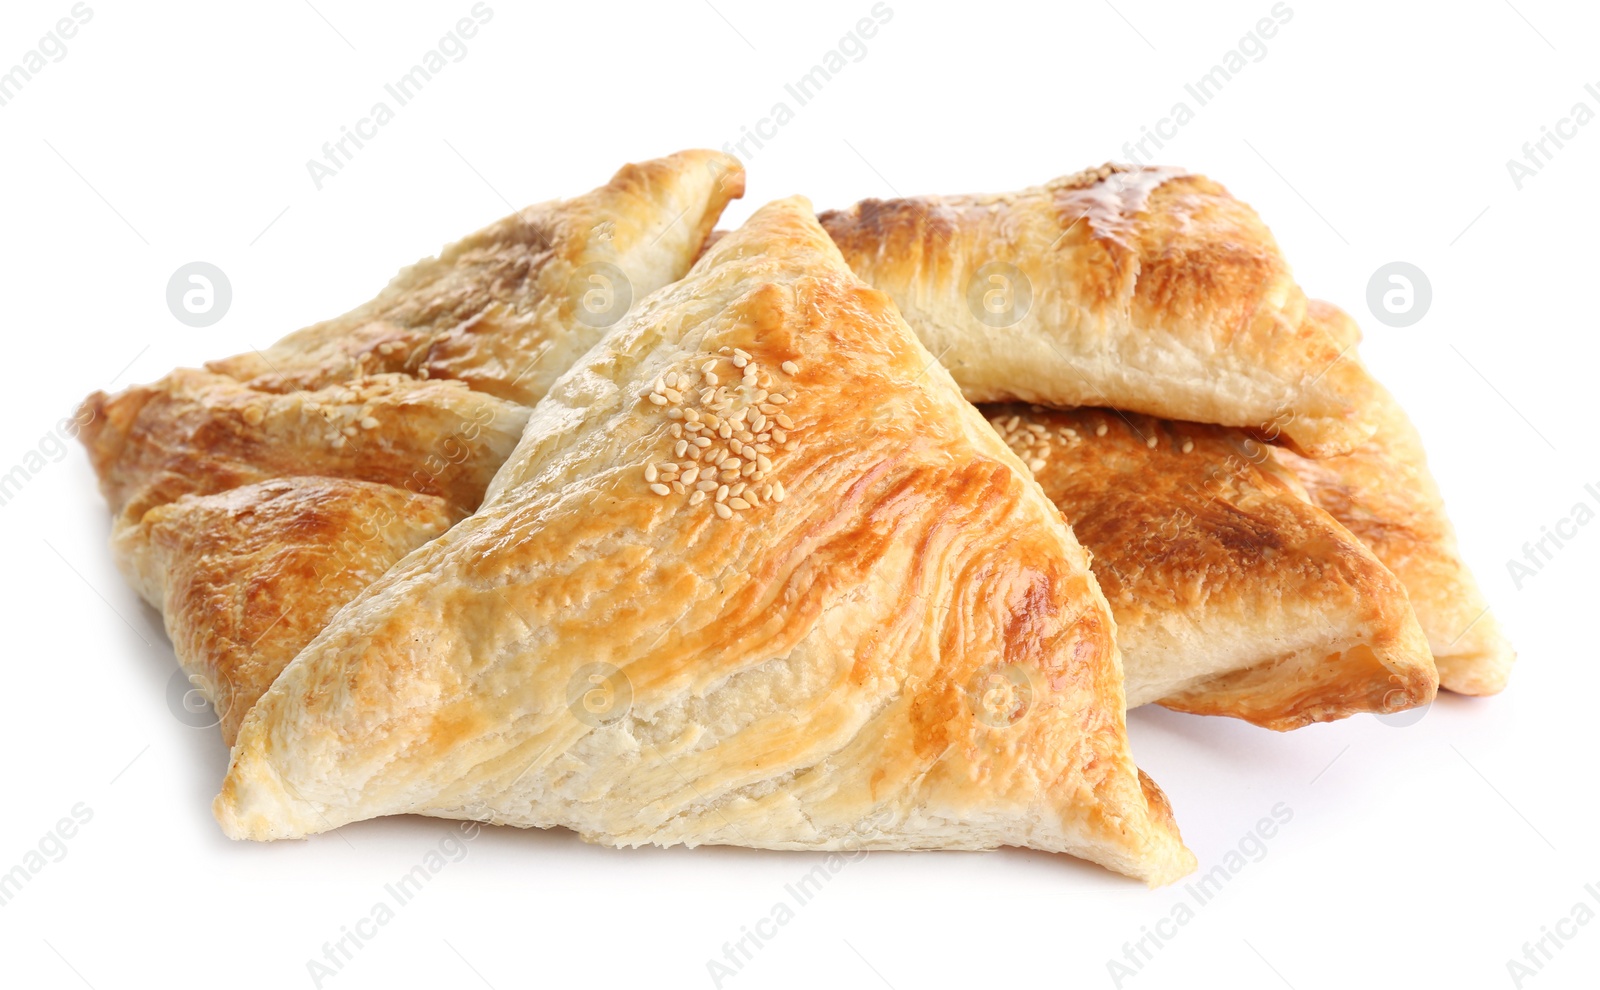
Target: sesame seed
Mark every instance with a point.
(679, 487)
(1037, 464)
(763, 462)
(737, 446)
(690, 475)
(738, 503)
(741, 352)
(707, 395)
(677, 431)
(740, 361)
(674, 396)
(784, 421)
(679, 447)
(791, 368)
(660, 489)
(689, 415)
(708, 485)
(778, 494)
(697, 498)
(671, 380)
(768, 408)
(650, 472)
(709, 365)
(725, 431)
(1151, 442)
(1188, 445)
(778, 399)
(349, 431)
(749, 468)
(724, 350)
(728, 475)
(758, 424)
(722, 493)
(658, 399)
(1100, 430)
(674, 413)
(779, 436)
(723, 512)
(730, 463)
(702, 441)
(694, 427)
(711, 379)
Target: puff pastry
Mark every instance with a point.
(1384, 493)
(512, 306)
(1147, 290)
(1233, 593)
(253, 500)
(886, 638)
(245, 578)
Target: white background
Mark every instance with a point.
(1370, 132)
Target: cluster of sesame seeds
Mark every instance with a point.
(728, 421)
(1032, 440)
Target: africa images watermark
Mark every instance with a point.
(51, 48)
(1537, 153)
(851, 48)
(1536, 554)
(51, 449)
(337, 954)
(336, 154)
(1251, 48)
(1540, 952)
(1251, 848)
(753, 938)
(52, 848)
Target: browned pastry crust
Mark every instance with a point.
(1384, 493)
(509, 308)
(1233, 594)
(1148, 290)
(245, 578)
(196, 432)
(887, 638)
(346, 411)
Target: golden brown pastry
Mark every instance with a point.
(756, 575)
(245, 578)
(1384, 493)
(511, 307)
(378, 458)
(196, 432)
(1233, 594)
(1148, 290)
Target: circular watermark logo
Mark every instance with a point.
(1000, 695)
(188, 698)
(599, 694)
(1404, 717)
(199, 294)
(999, 294)
(603, 293)
(1399, 294)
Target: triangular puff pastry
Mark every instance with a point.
(252, 501)
(755, 575)
(1141, 289)
(511, 307)
(1384, 493)
(1233, 593)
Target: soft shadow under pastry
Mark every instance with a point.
(757, 575)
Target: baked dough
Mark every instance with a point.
(245, 578)
(1233, 593)
(886, 639)
(1385, 494)
(198, 433)
(512, 306)
(253, 500)
(1147, 290)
